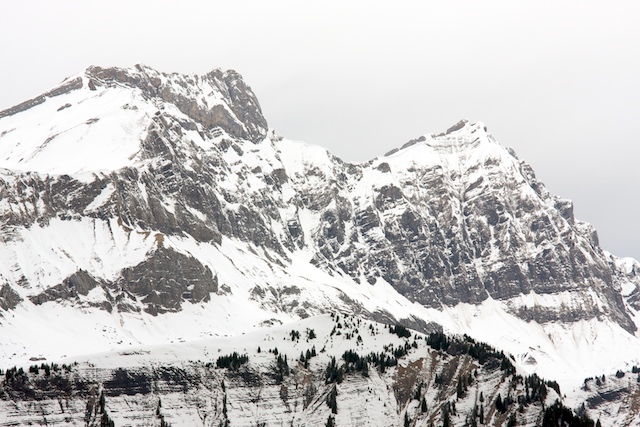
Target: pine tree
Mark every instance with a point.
(105, 421)
(332, 399)
(102, 402)
(446, 419)
(459, 391)
(365, 369)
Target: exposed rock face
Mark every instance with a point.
(167, 278)
(158, 284)
(9, 299)
(413, 382)
(401, 377)
(446, 219)
(80, 283)
(183, 393)
(477, 224)
(239, 115)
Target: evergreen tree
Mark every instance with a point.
(459, 391)
(105, 421)
(557, 414)
(232, 361)
(101, 402)
(365, 369)
(332, 399)
(446, 419)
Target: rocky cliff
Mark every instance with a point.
(338, 370)
(134, 201)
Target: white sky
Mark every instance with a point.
(558, 81)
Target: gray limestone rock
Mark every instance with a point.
(79, 283)
(166, 279)
(9, 299)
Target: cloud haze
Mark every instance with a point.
(558, 81)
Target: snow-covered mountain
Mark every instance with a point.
(143, 208)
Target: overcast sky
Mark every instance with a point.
(557, 80)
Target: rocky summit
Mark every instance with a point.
(142, 209)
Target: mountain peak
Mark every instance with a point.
(461, 124)
(216, 99)
(459, 137)
(97, 119)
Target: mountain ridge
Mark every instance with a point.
(449, 228)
